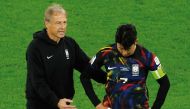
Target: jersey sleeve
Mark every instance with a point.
(98, 60)
(96, 74)
(155, 67)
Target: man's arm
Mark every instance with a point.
(86, 82)
(162, 92)
(87, 72)
(162, 79)
(87, 85)
(64, 103)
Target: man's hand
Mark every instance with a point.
(101, 106)
(63, 104)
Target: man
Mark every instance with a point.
(128, 64)
(51, 58)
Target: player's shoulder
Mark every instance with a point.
(143, 49)
(103, 52)
(147, 54)
(107, 48)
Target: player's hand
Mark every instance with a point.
(63, 104)
(101, 106)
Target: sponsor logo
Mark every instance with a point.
(49, 57)
(124, 80)
(124, 69)
(135, 70)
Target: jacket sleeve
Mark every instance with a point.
(87, 72)
(36, 75)
(162, 92)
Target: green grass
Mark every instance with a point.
(163, 27)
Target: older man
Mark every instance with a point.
(51, 58)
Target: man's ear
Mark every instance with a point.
(136, 41)
(46, 23)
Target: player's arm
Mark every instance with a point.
(97, 62)
(94, 72)
(98, 74)
(88, 72)
(85, 78)
(163, 82)
(162, 92)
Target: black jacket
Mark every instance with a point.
(50, 69)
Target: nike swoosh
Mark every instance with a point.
(111, 68)
(48, 57)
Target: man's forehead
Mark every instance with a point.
(59, 16)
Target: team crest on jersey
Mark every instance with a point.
(67, 53)
(135, 70)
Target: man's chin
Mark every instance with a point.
(61, 35)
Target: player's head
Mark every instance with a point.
(126, 38)
(55, 18)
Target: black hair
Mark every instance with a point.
(126, 35)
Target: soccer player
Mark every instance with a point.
(128, 65)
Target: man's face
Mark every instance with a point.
(127, 52)
(56, 26)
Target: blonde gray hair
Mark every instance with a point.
(52, 10)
